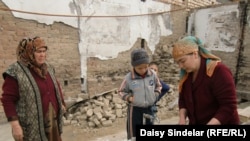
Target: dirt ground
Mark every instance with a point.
(115, 132)
(73, 133)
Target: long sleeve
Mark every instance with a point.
(10, 97)
(216, 95)
(124, 92)
(164, 90)
(225, 93)
(158, 86)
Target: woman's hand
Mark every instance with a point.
(182, 121)
(182, 116)
(63, 109)
(17, 131)
(214, 121)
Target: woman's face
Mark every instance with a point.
(188, 62)
(40, 55)
(141, 69)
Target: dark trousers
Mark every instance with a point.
(135, 117)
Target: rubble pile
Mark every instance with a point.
(103, 110)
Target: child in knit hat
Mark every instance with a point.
(140, 89)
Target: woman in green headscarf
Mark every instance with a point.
(207, 92)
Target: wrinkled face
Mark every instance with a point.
(141, 69)
(188, 62)
(154, 67)
(40, 55)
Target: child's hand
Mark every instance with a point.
(130, 99)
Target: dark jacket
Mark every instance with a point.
(210, 97)
(164, 90)
(145, 91)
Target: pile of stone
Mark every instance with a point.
(244, 112)
(103, 110)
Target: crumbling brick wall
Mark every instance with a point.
(62, 41)
(104, 75)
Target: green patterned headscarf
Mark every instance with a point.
(191, 44)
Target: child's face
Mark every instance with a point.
(141, 69)
(154, 67)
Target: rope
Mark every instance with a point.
(93, 16)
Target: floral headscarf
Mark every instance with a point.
(191, 44)
(25, 54)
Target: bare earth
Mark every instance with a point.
(116, 132)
